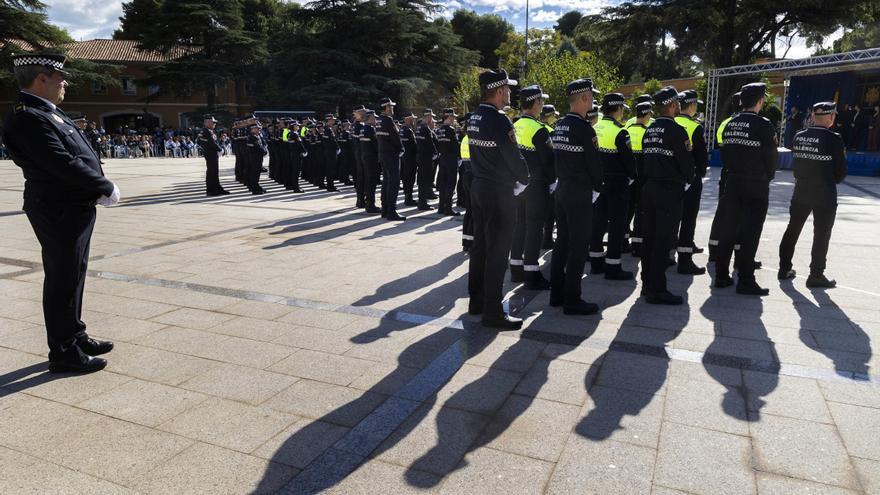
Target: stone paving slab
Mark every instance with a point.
(290, 344)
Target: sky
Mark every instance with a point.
(88, 19)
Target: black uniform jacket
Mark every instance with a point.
(576, 153)
(819, 165)
(495, 155)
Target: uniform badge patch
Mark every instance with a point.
(688, 146)
(595, 142)
(512, 136)
(57, 119)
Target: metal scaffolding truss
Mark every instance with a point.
(837, 60)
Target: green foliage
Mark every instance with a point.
(543, 44)
(466, 95)
(567, 24)
(554, 73)
(483, 33)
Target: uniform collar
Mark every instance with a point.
(526, 116)
(612, 119)
(572, 114)
(489, 105)
(42, 101)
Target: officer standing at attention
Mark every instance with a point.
(208, 142)
(467, 178)
(750, 156)
(531, 206)
(370, 157)
(643, 115)
(257, 148)
(635, 189)
(426, 141)
(549, 116)
(669, 171)
(409, 165)
(390, 151)
(450, 149)
(579, 172)
(331, 152)
(719, 140)
(500, 172)
(639, 99)
(819, 165)
(357, 131)
(611, 208)
(346, 160)
(63, 182)
(297, 152)
(691, 205)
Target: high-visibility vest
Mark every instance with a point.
(721, 127)
(465, 149)
(690, 125)
(526, 128)
(636, 134)
(285, 135)
(607, 131)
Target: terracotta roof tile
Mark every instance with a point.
(102, 50)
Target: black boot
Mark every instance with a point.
(819, 281)
(616, 272)
(786, 274)
(535, 281)
(664, 297)
(597, 265)
(750, 288)
(686, 265)
(517, 274)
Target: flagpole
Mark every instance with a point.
(526, 57)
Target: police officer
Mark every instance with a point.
(593, 115)
(669, 171)
(531, 206)
(643, 114)
(467, 178)
(409, 164)
(750, 155)
(331, 152)
(426, 141)
(611, 208)
(691, 204)
(719, 140)
(819, 165)
(256, 149)
(636, 102)
(549, 116)
(346, 158)
(449, 149)
(297, 152)
(390, 151)
(63, 182)
(500, 172)
(208, 142)
(579, 172)
(359, 115)
(370, 158)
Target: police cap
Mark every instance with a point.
(824, 108)
(753, 91)
(210, 117)
(329, 116)
(689, 96)
(643, 98)
(409, 115)
(532, 93)
(644, 108)
(666, 95)
(449, 112)
(50, 61)
(594, 112)
(428, 113)
(548, 110)
(579, 86)
(386, 101)
(613, 100)
(492, 79)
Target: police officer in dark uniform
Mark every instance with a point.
(467, 178)
(370, 158)
(331, 152)
(346, 160)
(256, 149)
(549, 116)
(579, 176)
(819, 165)
(636, 130)
(719, 141)
(297, 152)
(750, 156)
(611, 208)
(669, 171)
(426, 141)
(357, 130)
(208, 142)
(63, 182)
(500, 172)
(531, 206)
(390, 151)
(691, 205)
(320, 154)
(409, 164)
(450, 151)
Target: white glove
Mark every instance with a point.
(435, 157)
(631, 181)
(595, 196)
(554, 186)
(401, 154)
(305, 154)
(338, 152)
(518, 188)
(687, 186)
(111, 200)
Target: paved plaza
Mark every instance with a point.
(292, 344)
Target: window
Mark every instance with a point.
(99, 88)
(128, 86)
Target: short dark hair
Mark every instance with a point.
(748, 101)
(486, 94)
(26, 74)
(529, 104)
(610, 108)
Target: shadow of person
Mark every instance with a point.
(625, 379)
(348, 228)
(731, 315)
(850, 351)
(27, 377)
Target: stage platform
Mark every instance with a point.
(861, 163)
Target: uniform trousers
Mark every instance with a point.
(425, 180)
(689, 210)
(467, 228)
(212, 174)
(661, 202)
(531, 212)
(331, 163)
(360, 178)
(253, 170)
(390, 182)
(636, 212)
(446, 179)
(64, 233)
(574, 214)
(609, 215)
(493, 212)
(408, 170)
(744, 209)
(823, 221)
(371, 179)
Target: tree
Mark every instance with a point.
(210, 39)
(466, 94)
(569, 21)
(554, 73)
(543, 44)
(137, 16)
(483, 33)
(25, 21)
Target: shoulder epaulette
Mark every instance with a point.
(20, 107)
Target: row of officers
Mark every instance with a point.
(609, 186)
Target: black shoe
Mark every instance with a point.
(751, 288)
(758, 265)
(786, 274)
(664, 297)
(372, 209)
(258, 191)
(77, 363)
(410, 202)
(689, 268)
(297, 190)
(425, 207)
(614, 272)
(536, 281)
(94, 347)
(819, 281)
(597, 266)
(263, 170)
(395, 217)
(503, 322)
(580, 308)
(452, 213)
(332, 189)
(517, 274)
(556, 301)
(697, 250)
(722, 281)
(475, 308)
(547, 244)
